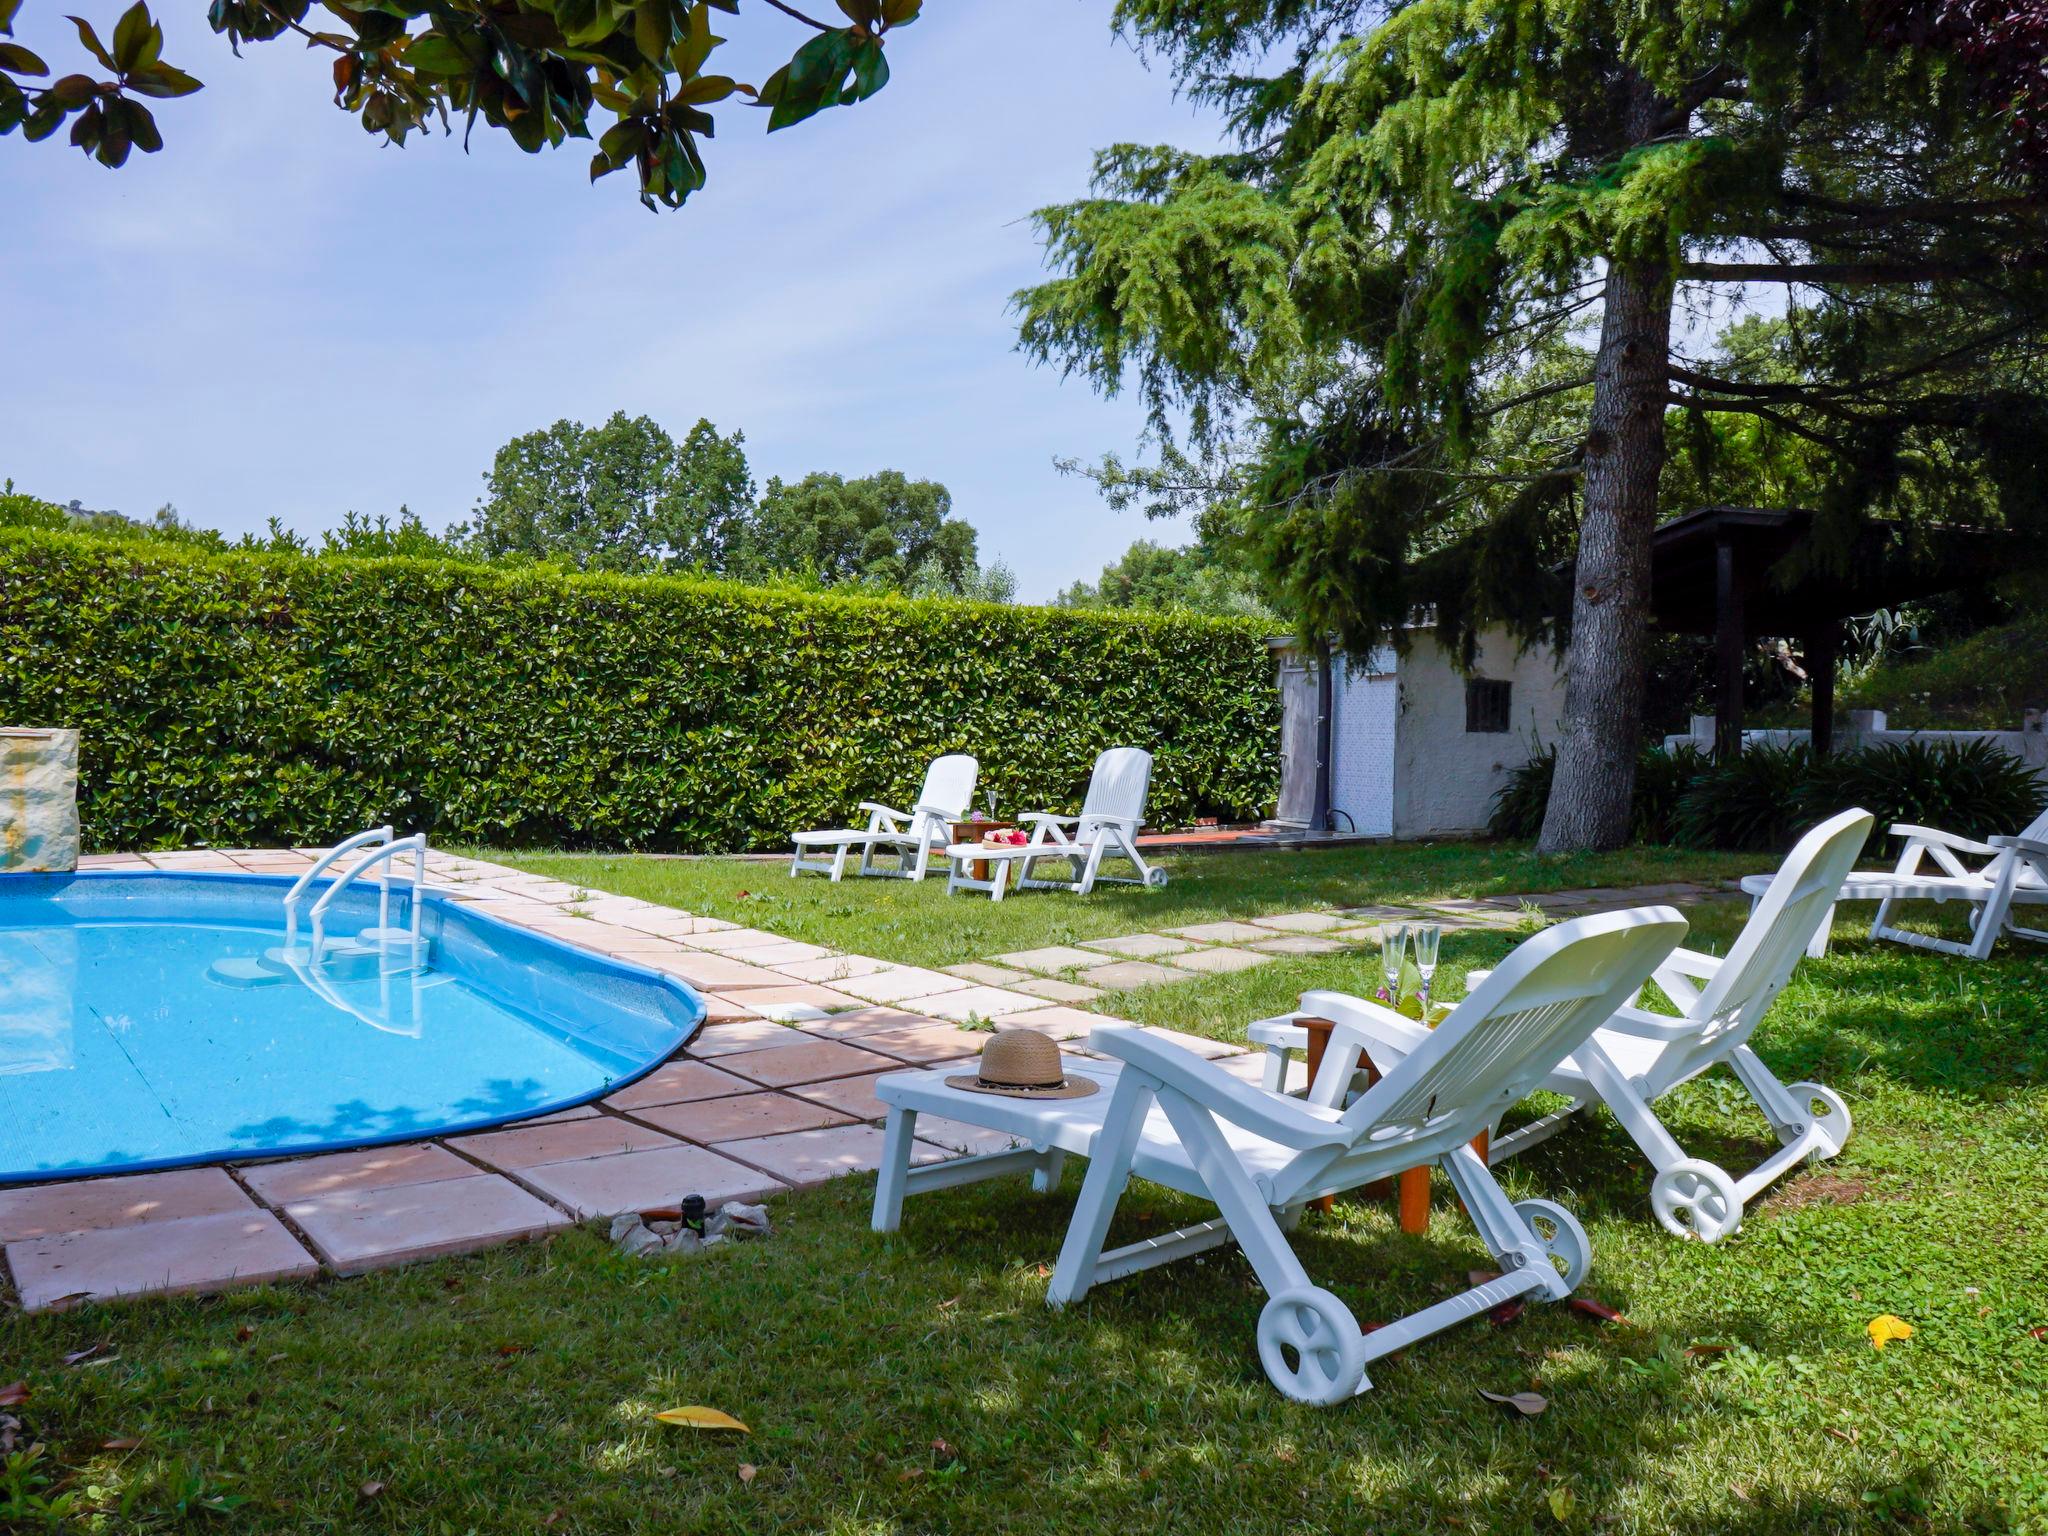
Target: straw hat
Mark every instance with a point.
(1023, 1064)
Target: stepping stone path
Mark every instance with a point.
(776, 1091)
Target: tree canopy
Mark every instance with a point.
(624, 496)
(883, 530)
(1193, 578)
(539, 70)
(1432, 323)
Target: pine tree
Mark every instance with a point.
(1463, 271)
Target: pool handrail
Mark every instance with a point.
(293, 896)
(415, 845)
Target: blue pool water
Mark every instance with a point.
(141, 1027)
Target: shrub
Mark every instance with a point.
(1748, 803)
(1661, 776)
(1971, 787)
(243, 699)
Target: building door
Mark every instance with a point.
(1297, 742)
(1366, 706)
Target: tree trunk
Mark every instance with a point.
(1606, 666)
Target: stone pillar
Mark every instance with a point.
(38, 801)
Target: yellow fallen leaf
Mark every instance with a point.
(1885, 1328)
(701, 1418)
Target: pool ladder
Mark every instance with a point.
(385, 849)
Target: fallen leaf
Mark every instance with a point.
(371, 1489)
(2038, 1331)
(748, 1471)
(694, 1417)
(944, 1453)
(1560, 1500)
(275, 1359)
(1527, 1404)
(1507, 1312)
(14, 1394)
(1706, 1351)
(1851, 1434)
(515, 1349)
(910, 1474)
(1884, 1328)
(244, 1334)
(90, 1352)
(124, 1443)
(1598, 1309)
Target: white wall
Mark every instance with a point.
(1858, 728)
(1444, 777)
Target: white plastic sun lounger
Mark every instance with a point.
(1638, 1057)
(2014, 874)
(911, 836)
(1107, 827)
(1165, 1114)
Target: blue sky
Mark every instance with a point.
(278, 315)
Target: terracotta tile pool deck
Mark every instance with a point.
(774, 1093)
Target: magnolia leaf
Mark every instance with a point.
(20, 61)
(137, 39)
(161, 80)
(1527, 1404)
(91, 39)
(1560, 1500)
(694, 1417)
(1885, 1328)
(14, 1394)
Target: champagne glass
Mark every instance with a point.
(1427, 937)
(1393, 949)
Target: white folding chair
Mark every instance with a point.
(911, 836)
(1106, 828)
(1166, 1115)
(2015, 872)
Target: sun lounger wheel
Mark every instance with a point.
(1696, 1199)
(1311, 1346)
(1561, 1237)
(1830, 1116)
(1155, 878)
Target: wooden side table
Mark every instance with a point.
(1411, 1188)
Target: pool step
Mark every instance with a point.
(345, 960)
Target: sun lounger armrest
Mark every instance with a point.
(1271, 1115)
(875, 808)
(1050, 816)
(1368, 1023)
(1934, 838)
(1650, 1026)
(2018, 844)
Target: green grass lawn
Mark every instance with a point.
(917, 1383)
(919, 924)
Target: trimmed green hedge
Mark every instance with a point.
(245, 700)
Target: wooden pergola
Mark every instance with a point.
(1733, 574)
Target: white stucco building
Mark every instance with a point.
(1406, 745)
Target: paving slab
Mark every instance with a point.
(716, 973)
(1380, 911)
(922, 1044)
(729, 1039)
(743, 1115)
(854, 1095)
(1217, 962)
(797, 1000)
(1057, 1023)
(811, 1157)
(719, 1009)
(1300, 922)
(1139, 946)
(1221, 933)
(529, 1146)
(1053, 990)
(788, 953)
(900, 983)
(303, 1178)
(354, 1230)
(987, 975)
(811, 1062)
(979, 1003)
(678, 1082)
(1120, 975)
(1051, 958)
(639, 1181)
(731, 941)
(829, 970)
(865, 1021)
(174, 1256)
(1301, 944)
(79, 1205)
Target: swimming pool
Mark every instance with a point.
(151, 1020)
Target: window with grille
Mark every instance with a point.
(1488, 704)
